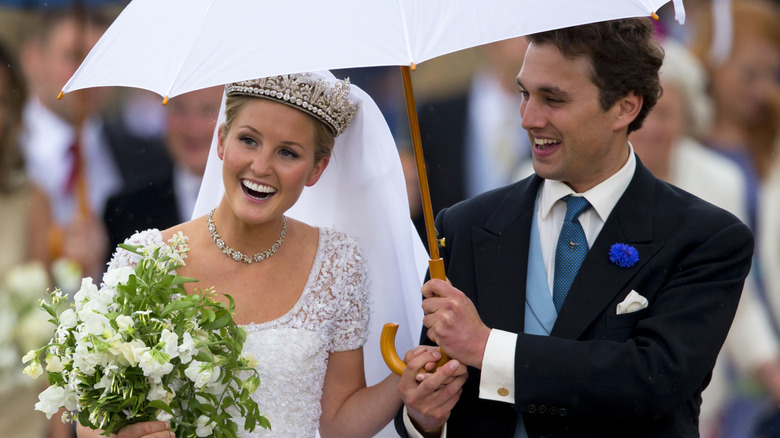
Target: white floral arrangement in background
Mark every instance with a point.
(140, 348)
(22, 325)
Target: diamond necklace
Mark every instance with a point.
(238, 255)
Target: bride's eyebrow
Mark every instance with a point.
(251, 128)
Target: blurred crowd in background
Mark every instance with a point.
(80, 174)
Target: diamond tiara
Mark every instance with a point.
(313, 95)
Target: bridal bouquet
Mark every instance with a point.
(139, 349)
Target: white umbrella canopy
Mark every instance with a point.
(175, 46)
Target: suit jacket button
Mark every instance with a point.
(531, 409)
(542, 409)
(553, 410)
(562, 412)
(503, 392)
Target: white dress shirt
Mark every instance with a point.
(46, 142)
(498, 363)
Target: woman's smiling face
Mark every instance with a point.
(268, 158)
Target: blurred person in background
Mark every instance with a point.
(667, 145)
(743, 66)
(169, 200)
(63, 140)
(473, 142)
(26, 218)
(67, 148)
(739, 44)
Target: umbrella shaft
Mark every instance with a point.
(425, 194)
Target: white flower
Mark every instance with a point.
(124, 322)
(158, 392)
(85, 360)
(164, 415)
(187, 348)
(34, 370)
(170, 343)
(105, 382)
(251, 384)
(117, 276)
(68, 319)
(51, 400)
(54, 364)
(29, 356)
(202, 373)
(251, 359)
(84, 295)
(94, 323)
(103, 299)
(154, 368)
(204, 426)
(130, 353)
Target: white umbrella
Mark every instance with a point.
(175, 46)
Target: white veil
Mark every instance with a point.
(361, 193)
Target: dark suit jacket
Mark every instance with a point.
(600, 374)
(149, 205)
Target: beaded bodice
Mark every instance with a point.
(331, 315)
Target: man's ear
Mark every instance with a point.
(316, 172)
(628, 108)
(221, 142)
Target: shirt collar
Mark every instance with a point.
(602, 197)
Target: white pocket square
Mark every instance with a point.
(633, 303)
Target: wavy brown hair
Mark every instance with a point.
(624, 55)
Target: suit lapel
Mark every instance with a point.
(501, 258)
(599, 280)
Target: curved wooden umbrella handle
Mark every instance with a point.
(387, 345)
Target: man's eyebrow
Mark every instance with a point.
(556, 91)
(547, 89)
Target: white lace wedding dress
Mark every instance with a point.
(331, 315)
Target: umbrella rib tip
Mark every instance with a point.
(59, 96)
(655, 16)
(165, 100)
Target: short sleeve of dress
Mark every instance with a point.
(123, 257)
(350, 326)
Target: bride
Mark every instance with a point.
(302, 292)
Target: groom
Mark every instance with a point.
(591, 299)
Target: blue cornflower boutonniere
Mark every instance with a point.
(623, 255)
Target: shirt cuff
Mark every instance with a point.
(413, 432)
(498, 367)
